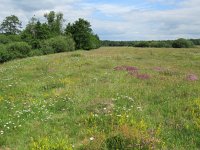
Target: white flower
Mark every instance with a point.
(92, 138)
(139, 108)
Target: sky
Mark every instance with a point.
(118, 19)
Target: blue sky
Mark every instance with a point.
(117, 19)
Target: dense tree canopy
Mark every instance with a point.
(44, 37)
(54, 22)
(82, 34)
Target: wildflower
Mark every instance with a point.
(139, 108)
(91, 138)
(192, 77)
(1, 132)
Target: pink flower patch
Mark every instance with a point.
(192, 77)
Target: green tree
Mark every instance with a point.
(11, 25)
(82, 34)
(34, 32)
(54, 22)
(182, 43)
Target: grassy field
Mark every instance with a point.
(110, 98)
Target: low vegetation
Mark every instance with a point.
(110, 98)
(179, 43)
(44, 38)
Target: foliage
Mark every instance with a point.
(49, 144)
(18, 49)
(116, 43)
(35, 32)
(4, 54)
(11, 25)
(182, 43)
(82, 34)
(5, 39)
(59, 44)
(36, 52)
(195, 41)
(54, 22)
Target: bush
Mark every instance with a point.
(35, 52)
(5, 39)
(182, 43)
(142, 44)
(58, 44)
(18, 49)
(4, 55)
(93, 42)
(46, 49)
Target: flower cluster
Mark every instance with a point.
(134, 71)
(192, 77)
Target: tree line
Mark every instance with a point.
(41, 38)
(179, 43)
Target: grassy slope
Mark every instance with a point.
(75, 96)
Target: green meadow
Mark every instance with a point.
(109, 98)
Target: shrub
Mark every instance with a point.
(4, 55)
(58, 44)
(142, 44)
(35, 52)
(5, 39)
(93, 42)
(182, 43)
(14, 38)
(46, 49)
(18, 49)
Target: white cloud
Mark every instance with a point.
(116, 21)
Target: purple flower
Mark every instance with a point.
(192, 77)
(131, 69)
